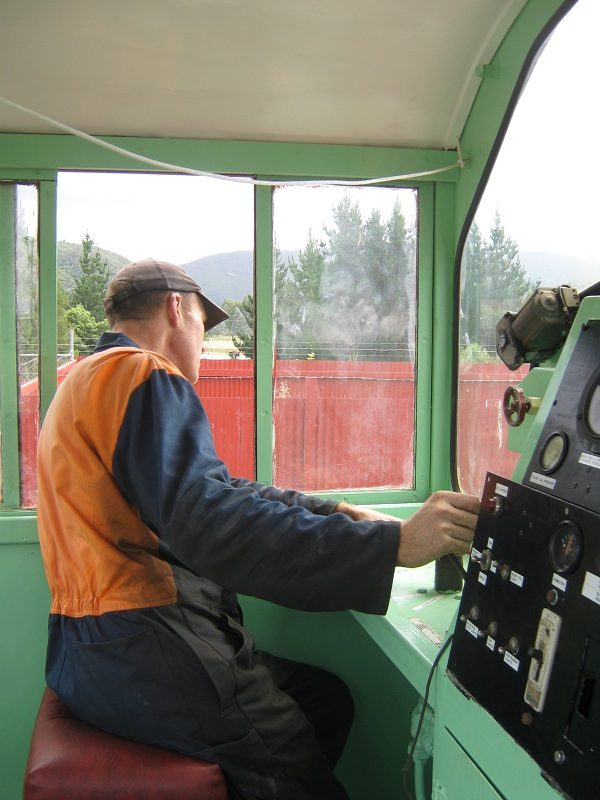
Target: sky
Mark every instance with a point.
(544, 185)
(546, 178)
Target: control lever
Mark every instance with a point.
(542, 659)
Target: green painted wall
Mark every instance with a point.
(24, 601)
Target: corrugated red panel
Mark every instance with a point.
(338, 425)
(341, 425)
(28, 437)
(482, 430)
(226, 388)
(29, 423)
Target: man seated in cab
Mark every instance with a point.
(146, 540)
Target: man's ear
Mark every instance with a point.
(174, 309)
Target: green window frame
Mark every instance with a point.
(9, 391)
(48, 154)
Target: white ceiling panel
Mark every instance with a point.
(386, 72)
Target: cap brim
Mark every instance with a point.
(214, 313)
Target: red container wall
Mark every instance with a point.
(482, 430)
(342, 425)
(29, 423)
(226, 388)
(337, 424)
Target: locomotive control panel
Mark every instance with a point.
(527, 640)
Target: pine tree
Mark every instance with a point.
(506, 276)
(307, 274)
(399, 301)
(351, 295)
(62, 325)
(493, 281)
(286, 302)
(472, 283)
(90, 286)
(241, 324)
(375, 256)
(345, 268)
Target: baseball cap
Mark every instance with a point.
(151, 275)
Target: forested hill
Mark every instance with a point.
(224, 274)
(227, 275)
(230, 275)
(221, 275)
(68, 262)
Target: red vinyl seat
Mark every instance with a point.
(71, 760)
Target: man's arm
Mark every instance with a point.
(165, 465)
(444, 524)
(289, 497)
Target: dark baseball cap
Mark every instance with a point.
(151, 275)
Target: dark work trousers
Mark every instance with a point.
(322, 712)
(176, 680)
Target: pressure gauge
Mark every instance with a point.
(566, 546)
(553, 451)
(592, 410)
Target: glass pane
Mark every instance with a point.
(534, 227)
(27, 297)
(106, 220)
(345, 302)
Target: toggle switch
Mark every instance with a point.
(494, 505)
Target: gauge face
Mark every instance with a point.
(566, 546)
(592, 410)
(553, 451)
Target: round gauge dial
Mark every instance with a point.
(566, 546)
(592, 410)
(553, 451)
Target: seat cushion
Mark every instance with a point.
(71, 760)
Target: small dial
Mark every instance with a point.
(553, 451)
(566, 546)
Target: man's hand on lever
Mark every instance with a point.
(443, 525)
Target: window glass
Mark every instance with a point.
(27, 317)
(344, 301)
(535, 226)
(106, 220)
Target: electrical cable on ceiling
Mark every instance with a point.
(163, 165)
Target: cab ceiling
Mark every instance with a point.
(383, 72)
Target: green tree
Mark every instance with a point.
(398, 300)
(303, 297)
(85, 327)
(62, 324)
(307, 273)
(369, 279)
(494, 281)
(241, 323)
(285, 299)
(28, 329)
(400, 260)
(345, 267)
(90, 286)
(351, 295)
(472, 284)
(506, 276)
